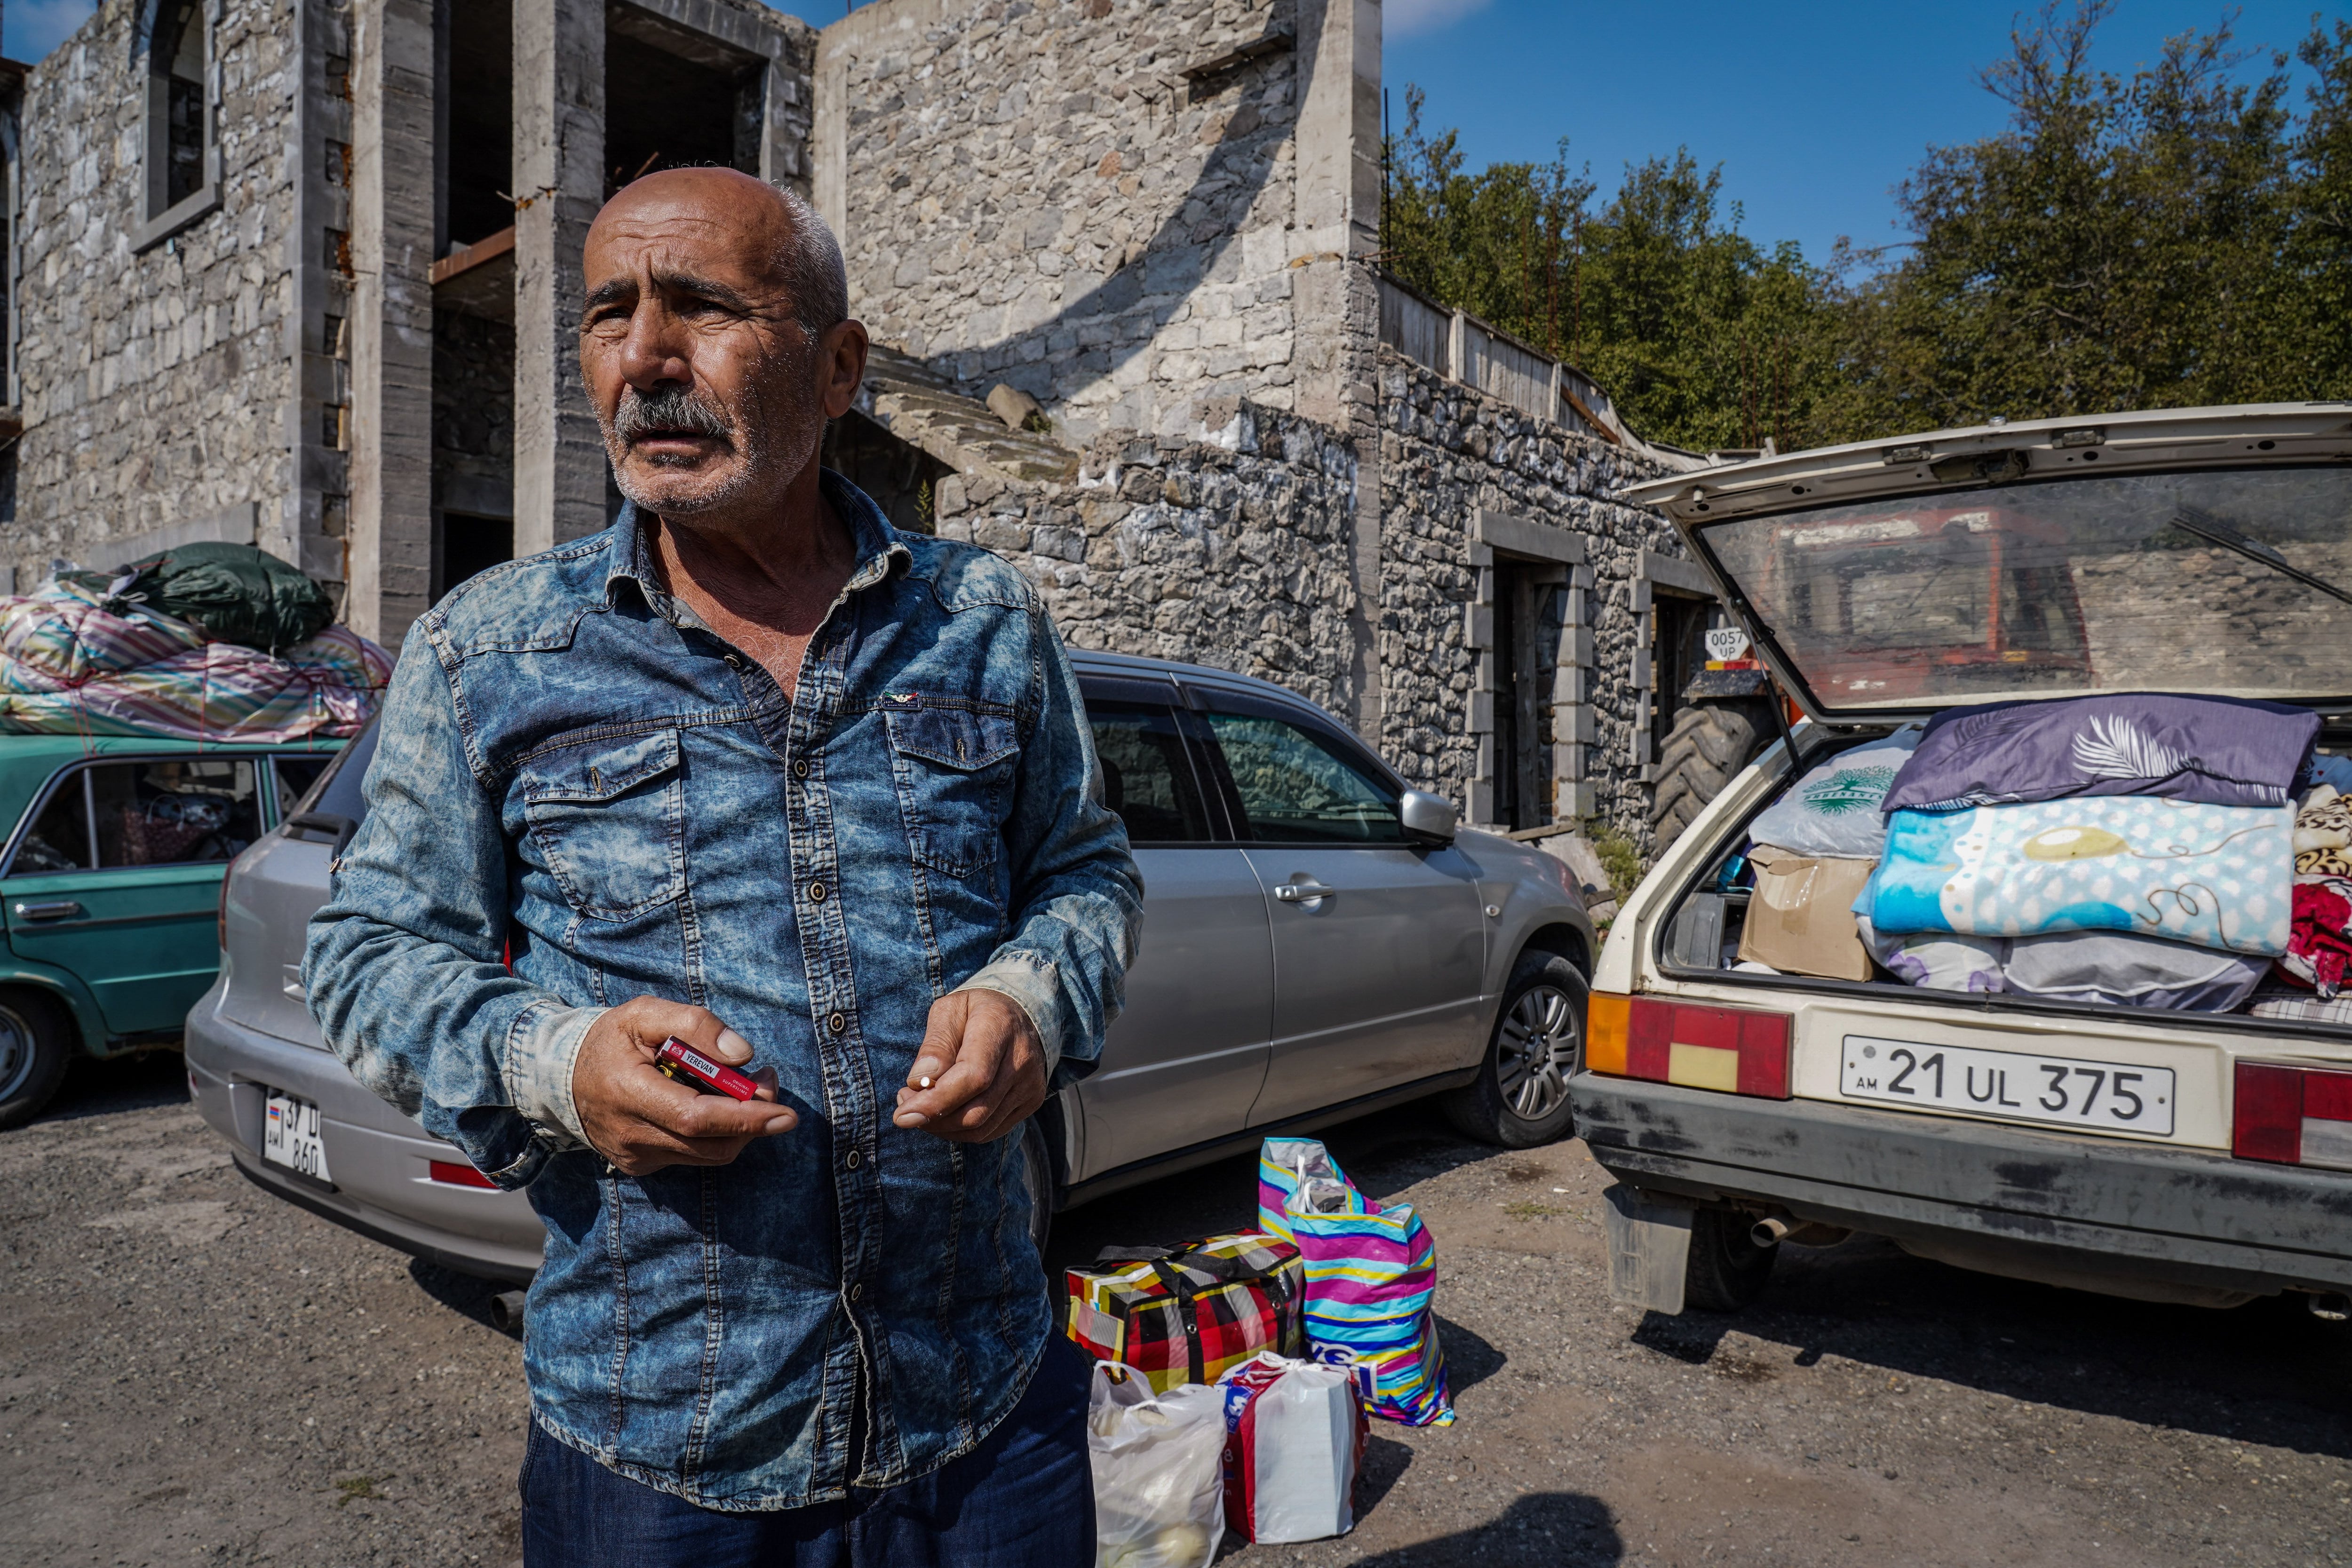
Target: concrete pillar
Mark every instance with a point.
(391, 530)
(1337, 304)
(559, 171)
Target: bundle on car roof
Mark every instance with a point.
(204, 642)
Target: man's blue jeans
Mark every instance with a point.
(1024, 1498)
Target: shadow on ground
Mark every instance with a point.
(463, 1294)
(1543, 1530)
(2267, 1372)
(126, 1083)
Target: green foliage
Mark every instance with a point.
(2174, 238)
(1620, 860)
(1694, 330)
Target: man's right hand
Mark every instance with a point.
(640, 1118)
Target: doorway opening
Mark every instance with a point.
(1530, 613)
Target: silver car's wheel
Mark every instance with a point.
(1520, 1096)
(1536, 1051)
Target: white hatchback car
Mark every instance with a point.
(2206, 551)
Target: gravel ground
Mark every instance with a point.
(194, 1371)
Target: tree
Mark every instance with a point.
(1703, 339)
(2173, 237)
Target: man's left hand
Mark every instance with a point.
(986, 1068)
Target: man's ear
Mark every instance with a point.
(842, 358)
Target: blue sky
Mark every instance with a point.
(1815, 122)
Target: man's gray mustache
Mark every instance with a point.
(668, 411)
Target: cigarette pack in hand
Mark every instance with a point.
(694, 1070)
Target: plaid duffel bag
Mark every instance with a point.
(1190, 1314)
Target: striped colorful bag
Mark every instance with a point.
(1371, 1277)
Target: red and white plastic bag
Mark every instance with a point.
(1294, 1436)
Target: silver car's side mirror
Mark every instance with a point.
(1427, 819)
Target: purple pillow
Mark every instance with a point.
(2214, 751)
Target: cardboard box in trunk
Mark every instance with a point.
(1801, 917)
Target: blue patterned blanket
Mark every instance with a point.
(2217, 876)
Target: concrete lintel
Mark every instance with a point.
(1522, 536)
(1669, 572)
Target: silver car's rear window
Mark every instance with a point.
(2223, 581)
(337, 791)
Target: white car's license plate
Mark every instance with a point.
(2011, 1085)
(290, 1136)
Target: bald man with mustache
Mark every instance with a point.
(753, 770)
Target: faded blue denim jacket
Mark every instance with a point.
(575, 771)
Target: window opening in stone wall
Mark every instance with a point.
(178, 105)
(475, 150)
(468, 545)
(675, 98)
(903, 479)
(1530, 609)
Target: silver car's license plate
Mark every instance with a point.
(2014, 1086)
(290, 1136)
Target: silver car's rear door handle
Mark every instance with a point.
(1302, 893)
(63, 909)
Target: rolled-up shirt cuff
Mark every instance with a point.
(1035, 988)
(542, 1049)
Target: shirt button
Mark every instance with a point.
(800, 768)
(839, 1025)
(816, 892)
(854, 1159)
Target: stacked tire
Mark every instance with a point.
(1712, 739)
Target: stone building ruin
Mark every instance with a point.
(306, 273)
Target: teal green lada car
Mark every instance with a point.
(110, 887)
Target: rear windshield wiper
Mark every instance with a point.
(2206, 526)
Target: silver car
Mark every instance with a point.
(1319, 942)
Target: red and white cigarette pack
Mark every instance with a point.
(1295, 1434)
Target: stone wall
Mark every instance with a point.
(1226, 547)
(1035, 193)
(155, 384)
(1447, 455)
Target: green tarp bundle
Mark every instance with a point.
(232, 593)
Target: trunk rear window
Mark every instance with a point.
(2233, 581)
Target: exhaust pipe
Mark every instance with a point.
(1769, 1231)
(506, 1311)
(2335, 1306)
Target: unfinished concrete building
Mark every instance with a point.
(306, 272)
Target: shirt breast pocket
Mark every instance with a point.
(955, 782)
(609, 819)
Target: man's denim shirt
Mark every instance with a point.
(581, 795)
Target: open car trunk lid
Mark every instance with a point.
(2203, 551)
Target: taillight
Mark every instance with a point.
(220, 914)
(2293, 1116)
(458, 1175)
(1735, 1051)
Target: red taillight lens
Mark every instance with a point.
(458, 1175)
(2293, 1116)
(220, 914)
(1735, 1051)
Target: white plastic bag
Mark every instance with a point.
(1159, 1492)
(1295, 1434)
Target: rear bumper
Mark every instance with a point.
(378, 1158)
(1959, 1187)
